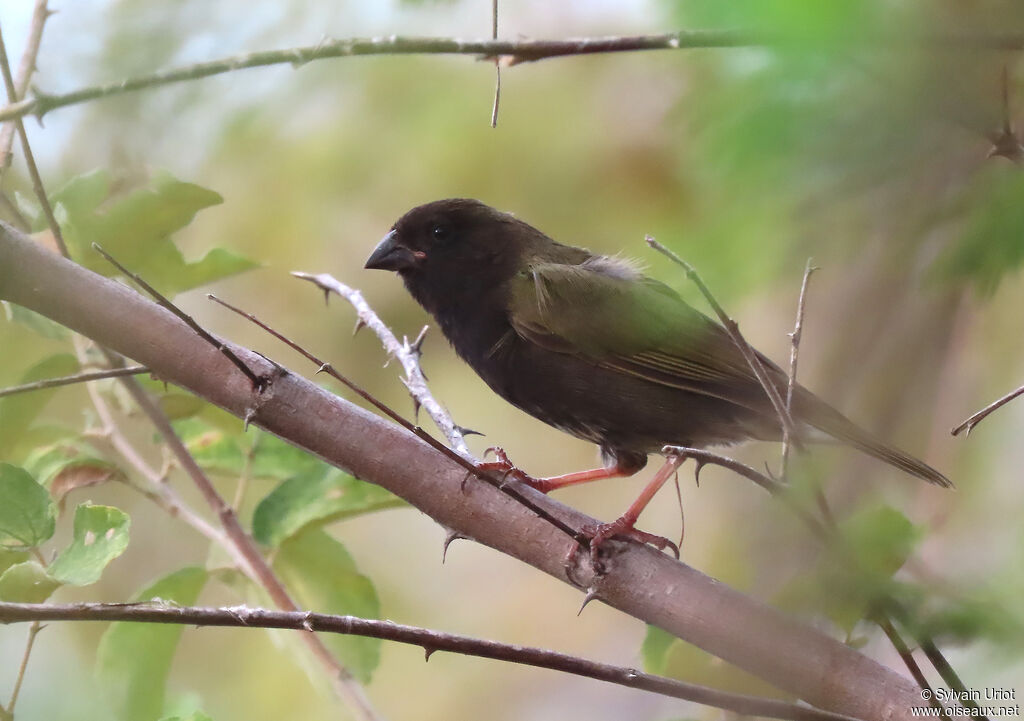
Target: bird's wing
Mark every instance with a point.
(620, 319)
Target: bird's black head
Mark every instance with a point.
(453, 250)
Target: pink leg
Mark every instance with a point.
(546, 485)
(625, 525)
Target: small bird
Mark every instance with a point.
(590, 345)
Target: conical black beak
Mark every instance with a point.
(390, 255)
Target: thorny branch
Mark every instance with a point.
(430, 640)
(969, 424)
(509, 52)
(244, 546)
(407, 353)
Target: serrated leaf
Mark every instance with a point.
(34, 321)
(18, 411)
(27, 516)
(134, 659)
(26, 582)
(319, 499)
(136, 229)
(324, 578)
(100, 536)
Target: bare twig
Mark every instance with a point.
(497, 65)
(469, 466)
(257, 382)
(794, 355)
(344, 683)
(514, 51)
(26, 68)
(30, 160)
(430, 640)
(733, 329)
(969, 424)
(84, 377)
(406, 353)
(33, 631)
(510, 51)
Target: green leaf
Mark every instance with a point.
(194, 716)
(26, 582)
(856, 569)
(101, 535)
(18, 411)
(324, 578)
(8, 558)
(666, 655)
(321, 499)
(27, 516)
(32, 320)
(136, 229)
(655, 649)
(224, 450)
(991, 243)
(67, 465)
(134, 659)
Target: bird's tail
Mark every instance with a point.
(824, 417)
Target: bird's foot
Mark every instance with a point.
(504, 466)
(623, 527)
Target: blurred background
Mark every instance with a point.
(874, 160)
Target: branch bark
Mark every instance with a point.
(430, 640)
(509, 52)
(640, 581)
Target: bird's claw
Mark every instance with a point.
(503, 465)
(620, 528)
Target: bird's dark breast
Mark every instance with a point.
(617, 411)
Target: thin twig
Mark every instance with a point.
(165, 302)
(26, 149)
(160, 492)
(430, 640)
(26, 68)
(794, 355)
(981, 415)
(341, 678)
(513, 52)
(406, 353)
(497, 65)
(33, 631)
(83, 377)
(471, 469)
(733, 329)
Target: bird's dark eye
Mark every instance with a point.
(440, 232)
